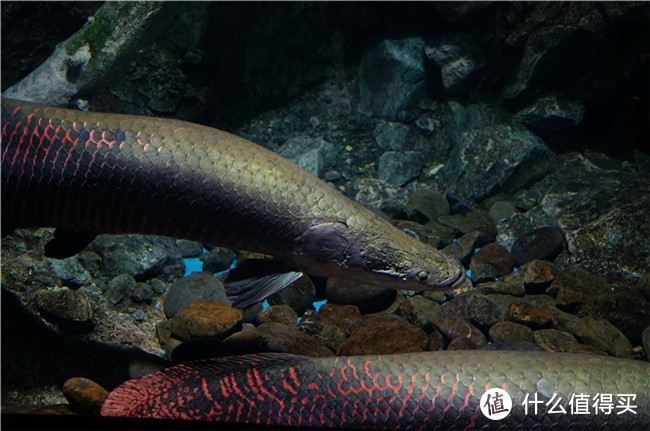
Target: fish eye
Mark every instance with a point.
(423, 276)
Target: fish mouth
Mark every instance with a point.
(455, 280)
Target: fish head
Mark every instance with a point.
(400, 261)
(379, 255)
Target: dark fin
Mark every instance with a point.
(67, 242)
(249, 268)
(249, 291)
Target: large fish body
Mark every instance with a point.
(110, 173)
(428, 390)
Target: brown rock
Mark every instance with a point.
(509, 284)
(504, 332)
(84, 395)
(278, 314)
(283, 338)
(206, 319)
(462, 343)
(528, 314)
(543, 243)
(248, 341)
(453, 326)
(476, 308)
(579, 290)
(553, 340)
(538, 275)
(367, 298)
(436, 341)
(491, 261)
(602, 335)
(383, 335)
(336, 320)
(419, 311)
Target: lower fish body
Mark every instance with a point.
(428, 390)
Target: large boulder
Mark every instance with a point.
(391, 77)
(500, 158)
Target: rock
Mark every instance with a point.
(544, 243)
(139, 368)
(142, 293)
(462, 343)
(577, 289)
(312, 154)
(645, 336)
(505, 332)
(419, 311)
(463, 248)
(391, 136)
(335, 321)
(70, 272)
(477, 220)
(278, 314)
(455, 327)
(200, 348)
(299, 295)
(248, 341)
(553, 340)
(502, 209)
(538, 275)
(626, 309)
(381, 195)
(544, 50)
(509, 229)
(366, 297)
(217, 260)
(383, 335)
(501, 158)
(436, 341)
(426, 124)
(425, 205)
(283, 338)
(476, 308)
(203, 318)
(459, 119)
(426, 234)
(490, 262)
(189, 249)
(68, 308)
(603, 215)
(549, 114)
(85, 396)
(563, 321)
(157, 285)
(196, 286)
(120, 287)
(399, 167)
(391, 77)
(509, 284)
(513, 345)
(644, 286)
(140, 256)
(458, 56)
(528, 314)
(601, 334)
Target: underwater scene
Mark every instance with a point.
(343, 215)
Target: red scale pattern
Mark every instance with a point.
(428, 390)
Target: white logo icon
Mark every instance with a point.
(496, 404)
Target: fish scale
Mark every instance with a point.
(109, 173)
(427, 390)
